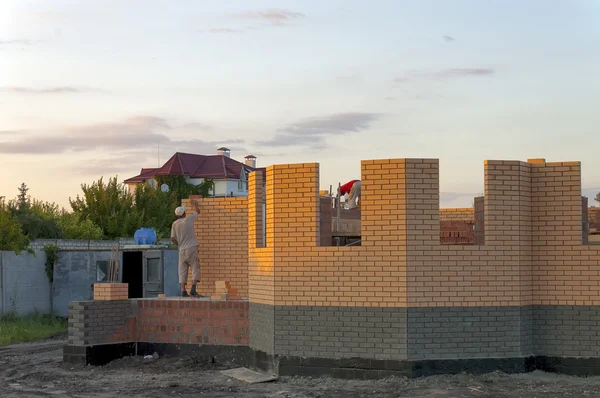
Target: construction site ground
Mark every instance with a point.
(37, 370)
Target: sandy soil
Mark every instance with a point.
(36, 370)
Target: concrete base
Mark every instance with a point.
(343, 368)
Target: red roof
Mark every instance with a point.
(196, 166)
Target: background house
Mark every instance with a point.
(229, 175)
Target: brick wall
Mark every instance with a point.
(158, 321)
(487, 293)
(594, 219)
(457, 226)
(260, 265)
(530, 288)
(101, 322)
(456, 232)
(479, 206)
(192, 322)
(457, 214)
(222, 230)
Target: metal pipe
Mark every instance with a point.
(354, 243)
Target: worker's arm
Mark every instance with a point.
(173, 238)
(197, 208)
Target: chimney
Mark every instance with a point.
(223, 151)
(250, 160)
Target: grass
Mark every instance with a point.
(35, 327)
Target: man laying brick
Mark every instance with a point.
(352, 188)
(183, 235)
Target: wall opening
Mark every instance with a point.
(133, 273)
(463, 226)
(340, 223)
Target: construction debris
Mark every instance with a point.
(248, 376)
(224, 292)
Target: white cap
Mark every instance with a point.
(179, 211)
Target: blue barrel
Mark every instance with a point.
(144, 236)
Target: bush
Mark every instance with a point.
(51, 257)
(12, 237)
(73, 227)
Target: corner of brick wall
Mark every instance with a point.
(102, 322)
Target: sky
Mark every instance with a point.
(105, 87)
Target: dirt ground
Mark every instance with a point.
(36, 370)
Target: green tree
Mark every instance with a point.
(118, 212)
(109, 206)
(597, 198)
(11, 234)
(72, 227)
(37, 219)
(183, 189)
(23, 199)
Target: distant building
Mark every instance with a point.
(229, 175)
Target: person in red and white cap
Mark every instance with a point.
(352, 189)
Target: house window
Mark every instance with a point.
(102, 271)
(242, 182)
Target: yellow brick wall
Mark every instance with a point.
(565, 272)
(222, 231)
(457, 214)
(532, 254)
(261, 259)
(497, 274)
(373, 274)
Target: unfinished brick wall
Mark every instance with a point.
(457, 214)
(565, 271)
(222, 231)
(594, 219)
(402, 274)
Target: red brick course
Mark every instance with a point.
(192, 322)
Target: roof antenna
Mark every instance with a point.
(158, 153)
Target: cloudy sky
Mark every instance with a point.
(88, 88)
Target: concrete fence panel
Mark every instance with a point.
(24, 286)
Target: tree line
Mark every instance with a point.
(104, 210)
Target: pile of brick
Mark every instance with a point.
(111, 291)
(457, 232)
(224, 291)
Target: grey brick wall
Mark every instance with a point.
(466, 332)
(340, 332)
(95, 322)
(567, 331)
(262, 326)
(527, 330)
